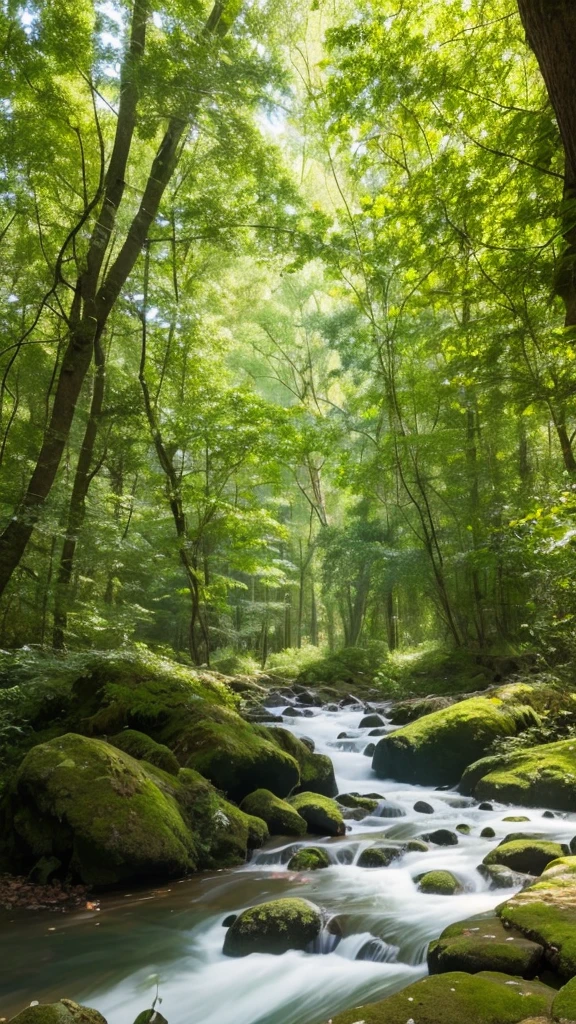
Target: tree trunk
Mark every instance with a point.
(94, 299)
(551, 32)
(77, 509)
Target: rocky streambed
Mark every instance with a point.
(384, 883)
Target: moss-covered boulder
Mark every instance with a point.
(456, 998)
(542, 776)
(379, 856)
(309, 858)
(484, 944)
(108, 818)
(274, 927)
(435, 749)
(143, 748)
(504, 878)
(564, 1005)
(546, 913)
(440, 883)
(322, 815)
(63, 1012)
(316, 770)
(279, 815)
(235, 756)
(529, 856)
(406, 711)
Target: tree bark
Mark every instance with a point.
(77, 509)
(551, 32)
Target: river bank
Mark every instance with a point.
(173, 935)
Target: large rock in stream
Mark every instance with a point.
(483, 944)
(435, 749)
(107, 818)
(274, 927)
(534, 777)
(546, 913)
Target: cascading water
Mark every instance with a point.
(175, 935)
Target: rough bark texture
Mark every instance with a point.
(551, 32)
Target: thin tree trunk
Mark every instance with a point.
(77, 508)
(93, 302)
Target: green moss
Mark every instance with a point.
(564, 1005)
(543, 776)
(379, 856)
(143, 748)
(109, 818)
(309, 858)
(441, 883)
(316, 770)
(516, 817)
(274, 927)
(455, 998)
(321, 814)
(281, 818)
(236, 756)
(483, 944)
(530, 856)
(364, 803)
(437, 748)
(63, 1012)
(546, 913)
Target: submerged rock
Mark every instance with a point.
(442, 837)
(423, 808)
(501, 877)
(379, 856)
(371, 721)
(274, 927)
(279, 815)
(533, 777)
(309, 858)
(437, 748)
(321, 814)
(455, 998)
(439, 883)
(369, 750)
(484, 944)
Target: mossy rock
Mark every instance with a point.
(143, 748)
(379, 856)
(516, 817)
(274, 927)
(543, 776)
(316, 770)
(464, 829)
(63, 1012)
(504, 878)
(564, 1005)
(321, 814)
(356, 800)
(529, 856)
(110, 818)
(457, 998)
(406, 711)
(416, 846)
(435, 749)
(309, 858)
(484, 944)
(234, 755)
(546, 913)
(440, 883)
(279, 815)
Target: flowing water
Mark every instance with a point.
(113, 959)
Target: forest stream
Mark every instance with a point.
(112, 958)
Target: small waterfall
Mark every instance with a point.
(378, 952)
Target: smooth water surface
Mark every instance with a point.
(112, 959)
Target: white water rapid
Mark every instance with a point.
(176, 934)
